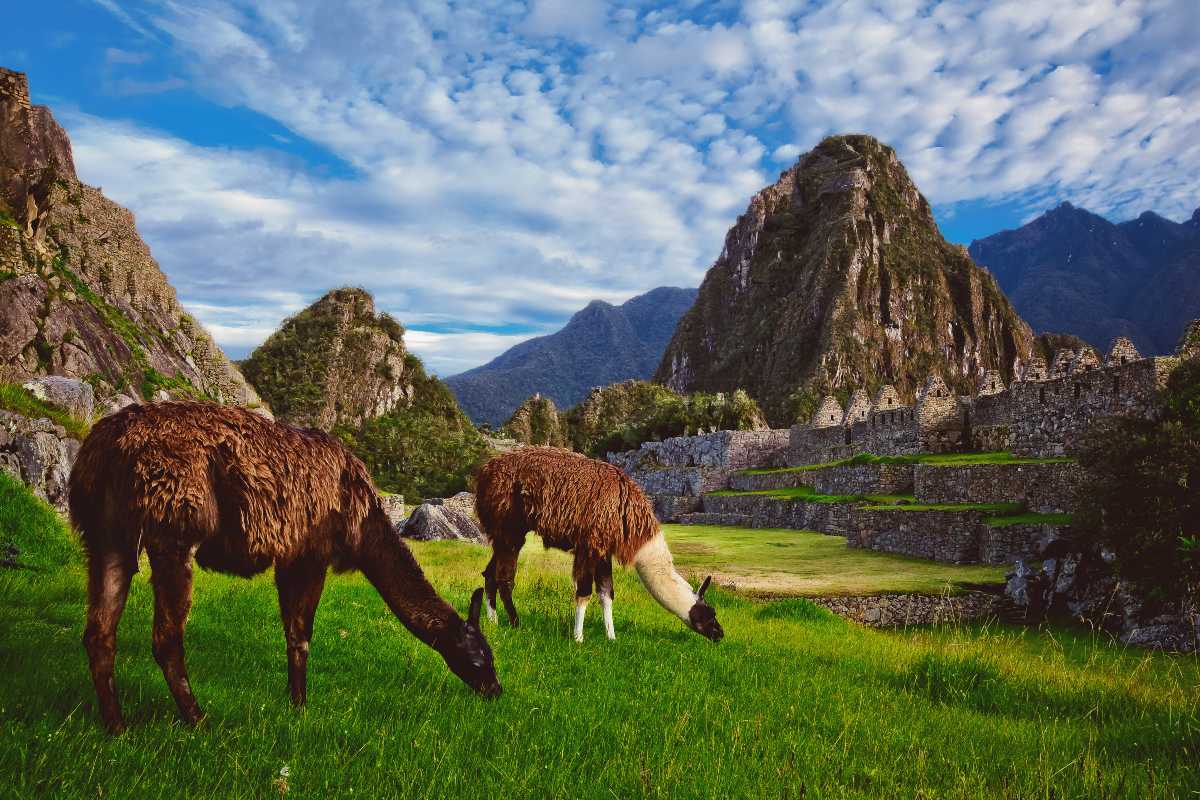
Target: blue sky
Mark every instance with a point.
(487, 168)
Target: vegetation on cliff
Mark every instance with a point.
(622, 416)
(80, 293)
(536, 421)
(1142, 499)
(426, 448)
(837, 278)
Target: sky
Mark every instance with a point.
(487, 168)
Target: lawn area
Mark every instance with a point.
(934, 459)
(795, 702)
(778, 563)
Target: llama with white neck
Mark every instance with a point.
(589, 508)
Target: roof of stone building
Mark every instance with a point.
(1084, 360)
(991, 383)
(1122, 351)
(886, 398)
(1035, 370)
(934, 386)
(829, 413)
(1062, 363)
(859, 408)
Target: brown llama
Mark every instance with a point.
(241, 493)
(589, 507)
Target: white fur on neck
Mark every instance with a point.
(656, 568)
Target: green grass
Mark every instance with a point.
(777, 563)
(794, 702)
(933, 459)
(808, 494)
(1029, 518)
(16, 398)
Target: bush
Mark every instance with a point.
(1143, 500)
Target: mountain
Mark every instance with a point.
(600, 345)
(80, 294)
(1072, 271)
(336, 362)
(536, 421)
(837, 278)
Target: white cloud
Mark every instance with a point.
(512, 163)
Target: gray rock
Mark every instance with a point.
(429, 522)
(38, 453)
(119, 402)
(74, 396)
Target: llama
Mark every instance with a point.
(241, 493)
(587, 506)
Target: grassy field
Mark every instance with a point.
(933, 459)
(775, 563)
(793, 703)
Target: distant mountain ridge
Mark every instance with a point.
(600, 345)
(1072, 271)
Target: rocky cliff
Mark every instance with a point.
(80, 294)
(537, 422)
(1073, 271)
(601, 344)
(836, 278)
(337, 362)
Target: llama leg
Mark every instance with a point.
(489, 587)
(604, 587)
(171, 575)
(300, 587)
(506, 576)
(584, 576)
(109, 575)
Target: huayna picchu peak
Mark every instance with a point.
(80, 294)
(836, 277)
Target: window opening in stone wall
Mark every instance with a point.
(849, 436)
(1042, 394)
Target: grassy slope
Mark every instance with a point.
(19, 400)
(794, 702)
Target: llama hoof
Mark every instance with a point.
(579, 638)
(491, 614)
(115, 728)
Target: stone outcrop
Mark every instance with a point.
(536, 422)
(80, 294)
(836, 278)
(74, 396)
(434, 522)
(39, 453)
(336, 362)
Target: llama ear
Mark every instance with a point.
(703, 588)
(476, 605)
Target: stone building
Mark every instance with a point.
(992, 383)
(829, 414)
(1122, 351)
(859, 409)
(1035, 370)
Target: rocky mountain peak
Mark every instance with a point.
(80, 294)
(337, 362)
(836, 278)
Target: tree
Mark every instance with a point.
(1142, 498)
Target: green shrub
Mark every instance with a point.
(1142, 500)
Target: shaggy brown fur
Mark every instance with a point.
(576, 504)
(241, 494)
(572, 501)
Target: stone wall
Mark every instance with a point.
(960, 537)
(897, 610)
(1041, 487)
(847, 479)
(894, 432)
(727, 450)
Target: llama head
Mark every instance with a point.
(469, 656)
(703, 618)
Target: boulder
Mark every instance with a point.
(74, 396)
(38, 453)
(430, 522)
